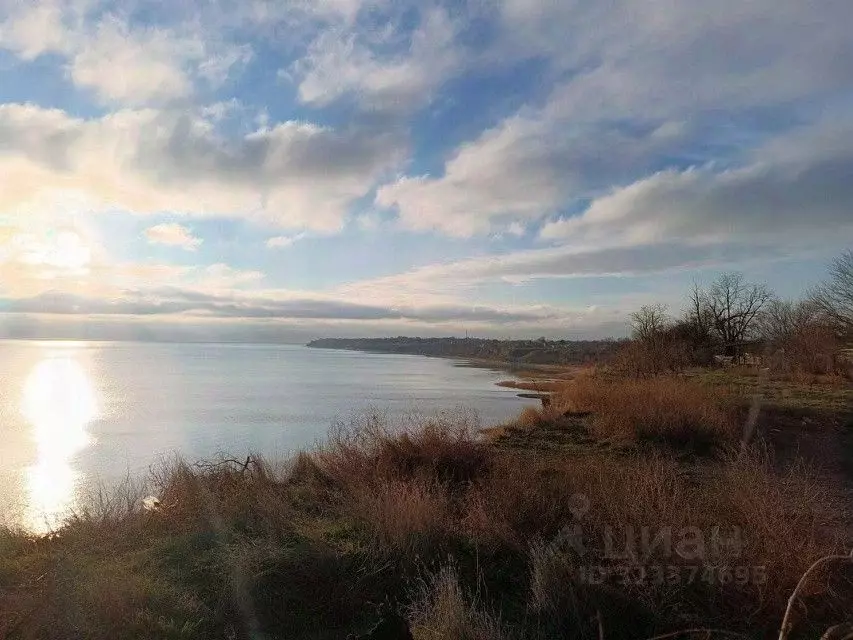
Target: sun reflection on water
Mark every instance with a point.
(59, 402)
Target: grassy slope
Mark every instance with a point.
(466, 537)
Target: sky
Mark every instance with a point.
(288, 169)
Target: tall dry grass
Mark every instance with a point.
(442, 609)
(240, 549)
(443, 487)
(675, 411)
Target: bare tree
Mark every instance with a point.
(835, 296)
(697, 317)
(650, 322)
(800, 335)
(781, 320)
(732, 305)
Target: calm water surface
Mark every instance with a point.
(75, 414)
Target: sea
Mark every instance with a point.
(77, 418)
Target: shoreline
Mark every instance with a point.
(519, 370)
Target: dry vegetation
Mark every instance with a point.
(632, 505)
(676, 412)
(463, 538)
(667, 410)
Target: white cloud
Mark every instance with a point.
(218, 66)
(369, 221)
(793, 197)
(621, 97)
(279, 242)
(293, 175)
(632, 86)
(139, 67)
(221, 277)
(344, 61)
(119, 62)
(526, 167)
(221, 291)
(633, 57)
(38, 29)
(173, 234)
(46, 259)
(516, 229)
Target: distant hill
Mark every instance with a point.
(539, 351)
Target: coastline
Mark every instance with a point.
(530, 381)
(520, 370)
(432, 513)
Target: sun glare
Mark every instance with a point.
(64, 250)
(70, 252)
(59, 403)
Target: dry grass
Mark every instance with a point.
(236, 549)
(513, 499)
(531, 417)
(404, 515)
(674, 411)
(442, 610)
(367, 451)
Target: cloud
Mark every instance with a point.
(516, 229)
(792, 196)
(221, 277)
(135, 68)
(636, 59)
(526, 167)
(120, 62)
(63, 263)
(797, 188)
(279, 242)
(354, 61)
(173, 234)
(33, 30)
(167, 301)
(219, 65)
(464, 279)
(626, 139)
(106, 288)
(293, 174)
(632, 88)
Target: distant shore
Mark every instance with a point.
(482, 352)
(540, 377)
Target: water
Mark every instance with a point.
(75, 414)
